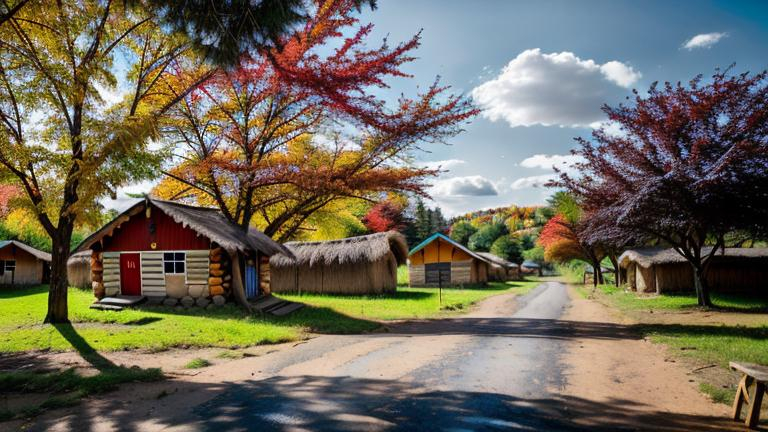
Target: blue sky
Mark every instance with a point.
(541, 69)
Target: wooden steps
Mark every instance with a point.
(275, 306)
(118, 302)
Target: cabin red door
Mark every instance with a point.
(130, 274)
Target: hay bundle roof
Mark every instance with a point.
(366, 248)
(652, 256)
(206, 221)
(37, 253)
(495, 259)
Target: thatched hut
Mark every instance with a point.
(79, 270)
(657, 270)
(357, 265)
(439, 260)
(501, 269)
(21, 264)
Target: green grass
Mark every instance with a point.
(153, 328)
(402, 276)
(231, 355)
(67, 387)
(197, 363)
(680, 301)
(718, 394)
(409, 303)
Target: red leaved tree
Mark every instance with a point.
(251, 138)
(689, 168)
(385, 216)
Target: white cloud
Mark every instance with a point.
(611, 128)
(442, 164)
(464, 186)
(553, 89)
(548, 161)
(532, 181)
(620, 73)
(704, 40)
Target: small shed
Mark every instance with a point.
(439, 260)
(656, 270)
(21, 264)
(170, 251)
(501, 269)
(357, 265)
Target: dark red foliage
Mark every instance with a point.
(385, 216)
(690, 166)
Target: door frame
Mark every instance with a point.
(141, 275)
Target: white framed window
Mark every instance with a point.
(10, 265)
(174, 262)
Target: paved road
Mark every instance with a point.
(497, 369)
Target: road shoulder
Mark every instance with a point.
(653, 391)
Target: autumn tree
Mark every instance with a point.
(385, 216)
(59, 139)
(688, 169)
(462, 230)
(252, 141)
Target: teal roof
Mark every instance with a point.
(453, 242)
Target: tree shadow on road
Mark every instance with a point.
(346, 403)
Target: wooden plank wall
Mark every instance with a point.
(111, 273)
(461, 272)
(152, 274)
(198, 267)
(416, 275)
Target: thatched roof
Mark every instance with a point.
(84, 256)
(205, 221)
(37, 253)
(653, 256)
(353, 250)
(495, 259)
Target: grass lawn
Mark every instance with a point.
(690, 335)
(409, 303)
(159, 328)
(154, 328)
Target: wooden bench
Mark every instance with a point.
(751, 389)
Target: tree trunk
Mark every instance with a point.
(238, 290)
(595, 269)
(702, 289)
(599, 274)
(58, 311)
(616, 271)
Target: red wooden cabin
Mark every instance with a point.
(169, 251)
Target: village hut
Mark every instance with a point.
(21, 264)
(530, 267)
(501, 269)
(177, 253)
(358, 265)
(439, 260)
(79, 270)
(655, 270)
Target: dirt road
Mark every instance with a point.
(506, 366)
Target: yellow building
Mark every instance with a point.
(439, 260)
